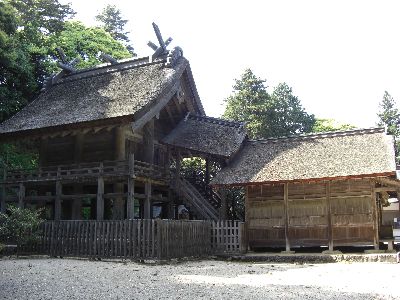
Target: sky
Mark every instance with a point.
(338, 56)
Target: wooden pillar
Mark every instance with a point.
(148, 142)
(100, 196)
(120, 152)
(329, 215)
(21, 195)
(374, 216)
(130, 203)
(57, 201)
(246, 218)
(286, 208)
(223, 208)
(207, 173)
(77, 203)
(3, 205)
(147, 201)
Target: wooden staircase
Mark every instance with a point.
(195, 201)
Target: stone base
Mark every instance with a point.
(334, 252)
(288, 252)
(373, 251)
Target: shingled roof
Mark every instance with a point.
(105, 92)
(326, 155)
(207, 135)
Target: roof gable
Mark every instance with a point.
(102, 93)
(328, 155)
(208, 135)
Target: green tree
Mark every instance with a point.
(278, 114)
(389, 116)
(77, 40)
(325, 125)
(17, 80)
(20, 226)
(114, 24)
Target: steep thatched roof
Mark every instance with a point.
(326, 155)
(207, 135)
(105, 92)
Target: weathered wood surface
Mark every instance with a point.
(140, 239)
(324, 213)
(86, 170)
(228, 237)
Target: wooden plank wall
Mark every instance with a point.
(133, 239)
(350, 221)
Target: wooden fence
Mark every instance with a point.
(228, 237)
(139, 239)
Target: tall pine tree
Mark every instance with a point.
(114, 24)
(389, 116)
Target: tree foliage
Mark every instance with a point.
(20, 226)
(389, 116)
(17, 80)
(266, 115)
(114, 24)
(86, 43)
(325, 125)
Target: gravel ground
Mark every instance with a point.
(207, 279)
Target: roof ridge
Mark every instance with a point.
(326, 134)
(217, 121)
(107, 69)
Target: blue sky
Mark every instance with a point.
(338, 56)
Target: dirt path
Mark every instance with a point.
(82, 279)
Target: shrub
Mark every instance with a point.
(20, 226)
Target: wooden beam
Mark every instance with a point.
(119, 154)
(130, 202)
(100, 196)
(374, 216)
(21, 195)
(147, 201)
(57, 201)
(286, 208)
(329, 215)
(66, 67)
(223, 208)
(108, 58)
(78, 151)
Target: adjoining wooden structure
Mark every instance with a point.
(314, 190)
(105, 141)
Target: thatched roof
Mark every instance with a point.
(101, 93)
(207, 135)
(328, 155)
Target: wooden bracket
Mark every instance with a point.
(108, 58)
(161, 49)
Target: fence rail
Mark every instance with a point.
(139, 239)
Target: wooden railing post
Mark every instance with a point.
(57, 201)
(147, 200)
(130, 203)
(329, 214)
(100, 195)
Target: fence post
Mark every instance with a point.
(159, 239)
